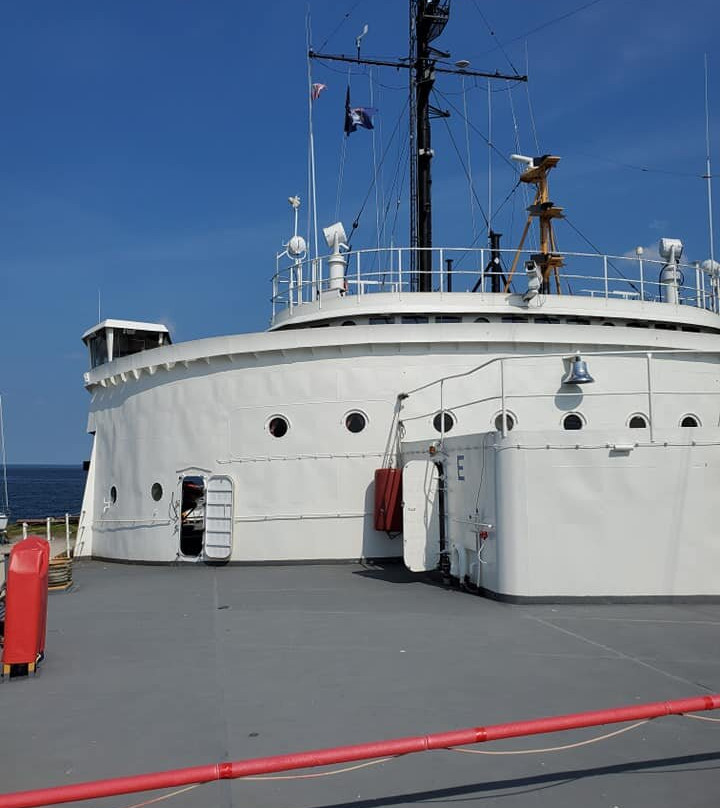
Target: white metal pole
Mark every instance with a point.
(648, 358)
(25, 527)
(708, 172)
(67, 535)
(48, 532)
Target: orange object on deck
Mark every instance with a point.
(26, 604)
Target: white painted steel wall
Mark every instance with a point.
(572, 516)
(202, 408)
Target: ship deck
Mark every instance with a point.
(151, 668)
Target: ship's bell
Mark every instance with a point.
(578, 373)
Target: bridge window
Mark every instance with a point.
(444, 421)
(509, 421)
(413, 319)
(355, 421)
(383, 319)
(690, 421)
(544, 318)
(573, 420)
(278, 426)
(446, 318)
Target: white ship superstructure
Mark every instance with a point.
(533, 424)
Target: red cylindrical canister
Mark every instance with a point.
(26, 603)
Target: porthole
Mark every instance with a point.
(689, 421)
(355, 422)
(156, 492)
(509, 421)
(443, 421)
(278, 426)
(638, 421)
(113, 494)
(573, 421)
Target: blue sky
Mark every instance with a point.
(148, 150)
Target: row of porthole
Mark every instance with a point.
(355, 421)
(445, 421)
(156, 492)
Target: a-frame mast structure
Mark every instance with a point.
(428, 19)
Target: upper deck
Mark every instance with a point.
(381, 282)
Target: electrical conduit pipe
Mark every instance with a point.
(343, 754)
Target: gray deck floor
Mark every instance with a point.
(151, 668)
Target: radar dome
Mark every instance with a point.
(296, 246)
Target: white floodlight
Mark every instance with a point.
(670, 249)
(462, 64)
(521, 158)
(335, 235)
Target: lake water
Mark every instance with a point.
(39, 491)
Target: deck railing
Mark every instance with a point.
(458, 269)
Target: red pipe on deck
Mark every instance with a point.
(343, 754)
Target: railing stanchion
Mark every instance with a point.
(502, 398)
(642, 280)
(605, 276)
(440, 271)
(482, 270)
(648, 358)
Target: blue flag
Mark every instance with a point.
(357, 116)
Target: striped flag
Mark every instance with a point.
(316, 90)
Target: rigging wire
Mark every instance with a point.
(545, 25)
(494, 36)
(599, 252)
(467, 149)
(467, 173)
(476, 130)
(342, 22)
(647, 169)
(356, 220)
(529, 101)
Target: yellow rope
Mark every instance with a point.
(319, 774)
(165, 796)
(550, 748)
(701, 717)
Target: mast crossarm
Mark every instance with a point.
(405, 63)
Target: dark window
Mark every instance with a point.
(637, 324)
(513, 318)
(638, 422)
(349, 322)
(610, 324)
(278, 426)
(689, 420)
(691, 329)
(382, 320)
(447, 318)
(572, 421)
(577, 321)
(413, 319)
(156, 492)
(355, 422)
(509, 422)
(320, 325)
(443, 422)
(666, 326)
(113, 494)
(544, 318)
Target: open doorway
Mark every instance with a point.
(192, 521)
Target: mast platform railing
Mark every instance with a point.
(461, 269)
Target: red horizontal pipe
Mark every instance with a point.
(343, 754)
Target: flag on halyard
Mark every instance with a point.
(316, 90)
(357, 116)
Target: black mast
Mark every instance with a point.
(431, 17)
(428, 19)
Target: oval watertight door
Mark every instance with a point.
(421, 516)
(219, 518)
